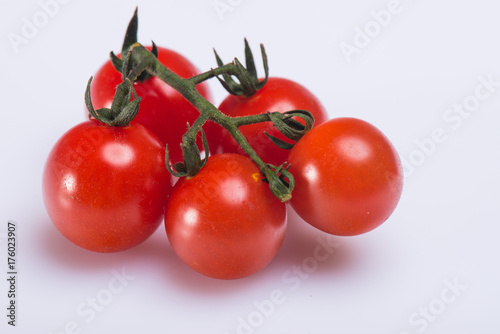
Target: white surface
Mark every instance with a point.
(428, 58)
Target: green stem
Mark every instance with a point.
(226, 69)
(246, 120)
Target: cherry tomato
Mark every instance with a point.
(163, 110)
(278, 94)
(105, 187)
(224, 222)
(348, 177)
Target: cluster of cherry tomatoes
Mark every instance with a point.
(107, 189)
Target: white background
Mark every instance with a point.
(427, 58)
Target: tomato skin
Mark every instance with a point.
(105, 187)
(278, 94)
(224, 222)
(163, 110)
(348, 177)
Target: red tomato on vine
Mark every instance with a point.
(105, 187)
(348, 177)
(278, 94)
(163, 110)
(224, 222)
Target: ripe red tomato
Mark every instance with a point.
(278, 94)
(348, 177)
(163, 110)
(224, 222)
(105, 187)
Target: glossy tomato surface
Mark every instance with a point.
(278, 94)
(162, 110)
(348, 177)
(224, 222)
(105, 187)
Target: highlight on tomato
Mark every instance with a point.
(348, 177)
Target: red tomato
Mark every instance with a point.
(224, 222)
(163, 110)
(278, 94)
(105, 187)
(348, 177)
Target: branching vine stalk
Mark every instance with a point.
(139, 61)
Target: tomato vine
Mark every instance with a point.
(140, 60)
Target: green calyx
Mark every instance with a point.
(249, 82)
(129, 40)
(290, 127)
(281, 181)
(123, 109)
(192, 163)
